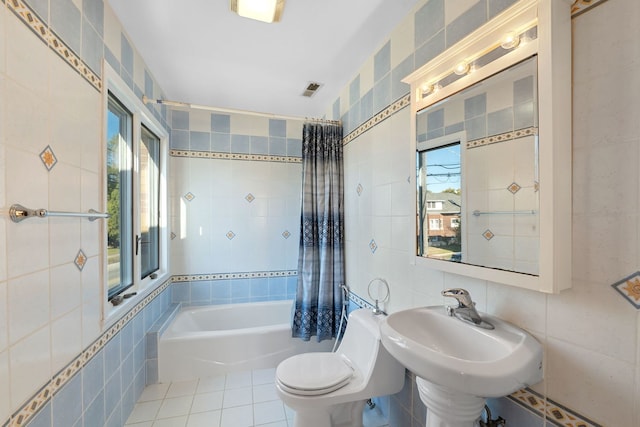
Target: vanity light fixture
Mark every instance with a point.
(510, 40)
(462, 68)
(261, 10)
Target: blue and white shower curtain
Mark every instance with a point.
(321, 258)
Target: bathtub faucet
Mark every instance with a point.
(466, 309)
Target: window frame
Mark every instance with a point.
(141, 116)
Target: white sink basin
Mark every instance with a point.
(462, 357)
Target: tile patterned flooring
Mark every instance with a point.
(241, 399)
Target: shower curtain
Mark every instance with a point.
(318, 302)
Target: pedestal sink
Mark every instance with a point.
(459, 365)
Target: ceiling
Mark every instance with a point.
(202, 53)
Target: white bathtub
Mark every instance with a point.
(214, 340)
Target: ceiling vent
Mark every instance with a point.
(311, 89)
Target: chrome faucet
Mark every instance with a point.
(466, 309)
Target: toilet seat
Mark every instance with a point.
(312, 374)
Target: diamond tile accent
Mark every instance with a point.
(81, 260)
(373, 246)
(230, 235)
(488, 235)
(514, 188)
(48, 158)
(249, 198)
(629, 288)
(359, 189)
(189, 196)
(286, 234)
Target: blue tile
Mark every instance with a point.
(346, 124)
(148, 84)
(292, 286)
(180, 292)
(151, 340)
(95, 413)
(220, 142)
(524, 115)
(92, 48)
(476, 127)
(137, 91)
(432, 48)
(500, 121)
(67, 406)
(92, 379)
(126, 339)
(93, 10)
(435, 119)
(111, 59)
(277, 146)
(200, 292)
(180, 120)
(382, 62)
(435, 133)
(115, 418)
(428, 21)
(139, 356)
(151, 371)
(475, 106)
(42, 418)
(523, 90)
(402, 70)
(41, 8)
(66, 21)
(112, 358)
(126, 371)
(456, 127)
(240, 144)
(128, 402)
(113, 392)
(354, 91)
(259, 145)
(382, 94)
(179, 140)
(336, 109)
(126, 77)
(259, 288)
(126, 54)
(277, 127)
(138, 329)
(497, 6)
(277, 287)
(294, 147)
(366, 106)
(200, 141)
(466, 23)
(220, 123)
(221, 289)
(354, 116)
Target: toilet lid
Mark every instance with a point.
(314, 373)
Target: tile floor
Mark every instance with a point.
(242, 399)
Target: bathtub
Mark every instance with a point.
(214, 340)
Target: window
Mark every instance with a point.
(135, 193)
(455, 222)
(435, 224)
(435, 205)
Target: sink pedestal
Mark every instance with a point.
(448, 408)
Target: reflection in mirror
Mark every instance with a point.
(477, 167)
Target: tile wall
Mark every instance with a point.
(235, 206)
(54, 345)
(590, 333)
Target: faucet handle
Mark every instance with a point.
(461, 295)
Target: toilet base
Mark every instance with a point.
(343, 415)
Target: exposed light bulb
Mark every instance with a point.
(510, 40)
(461, 68)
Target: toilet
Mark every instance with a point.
(330, 389)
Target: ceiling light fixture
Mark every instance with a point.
(462, 68)
(510, 40)
(261, 10)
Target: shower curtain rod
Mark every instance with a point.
(234, 111)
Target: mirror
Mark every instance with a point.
(477, 173)
(491, 117)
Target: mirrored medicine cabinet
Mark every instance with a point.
(491, 117)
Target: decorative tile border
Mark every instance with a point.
(227, 276)
(359, 301)
(400, 104)
(550, 410)
(502, 137)
(629, 288)
(234, 156)
(23, 415)
(51, 39)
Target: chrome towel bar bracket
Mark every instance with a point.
(19, 213)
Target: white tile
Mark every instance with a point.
(30, 361)
(207, 402)
(281, 424)
(138, 69)
(453, 9)
(171, 422)
(263, 376)
(142, 424)
(237, 397)
(154, 392)
(66, 339)
(144, 411)
(200, 120)
(182, 388)
(204, 419)
(3, 37)
(5, 400)
(268, 412)
(209, 384)
(241, 416)
(264, 393)
(28, 304)
(64, 239)
(174, 407)
(238, 380)
(4, 326)
(403, 41)
(112, 31)
(244, 124)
